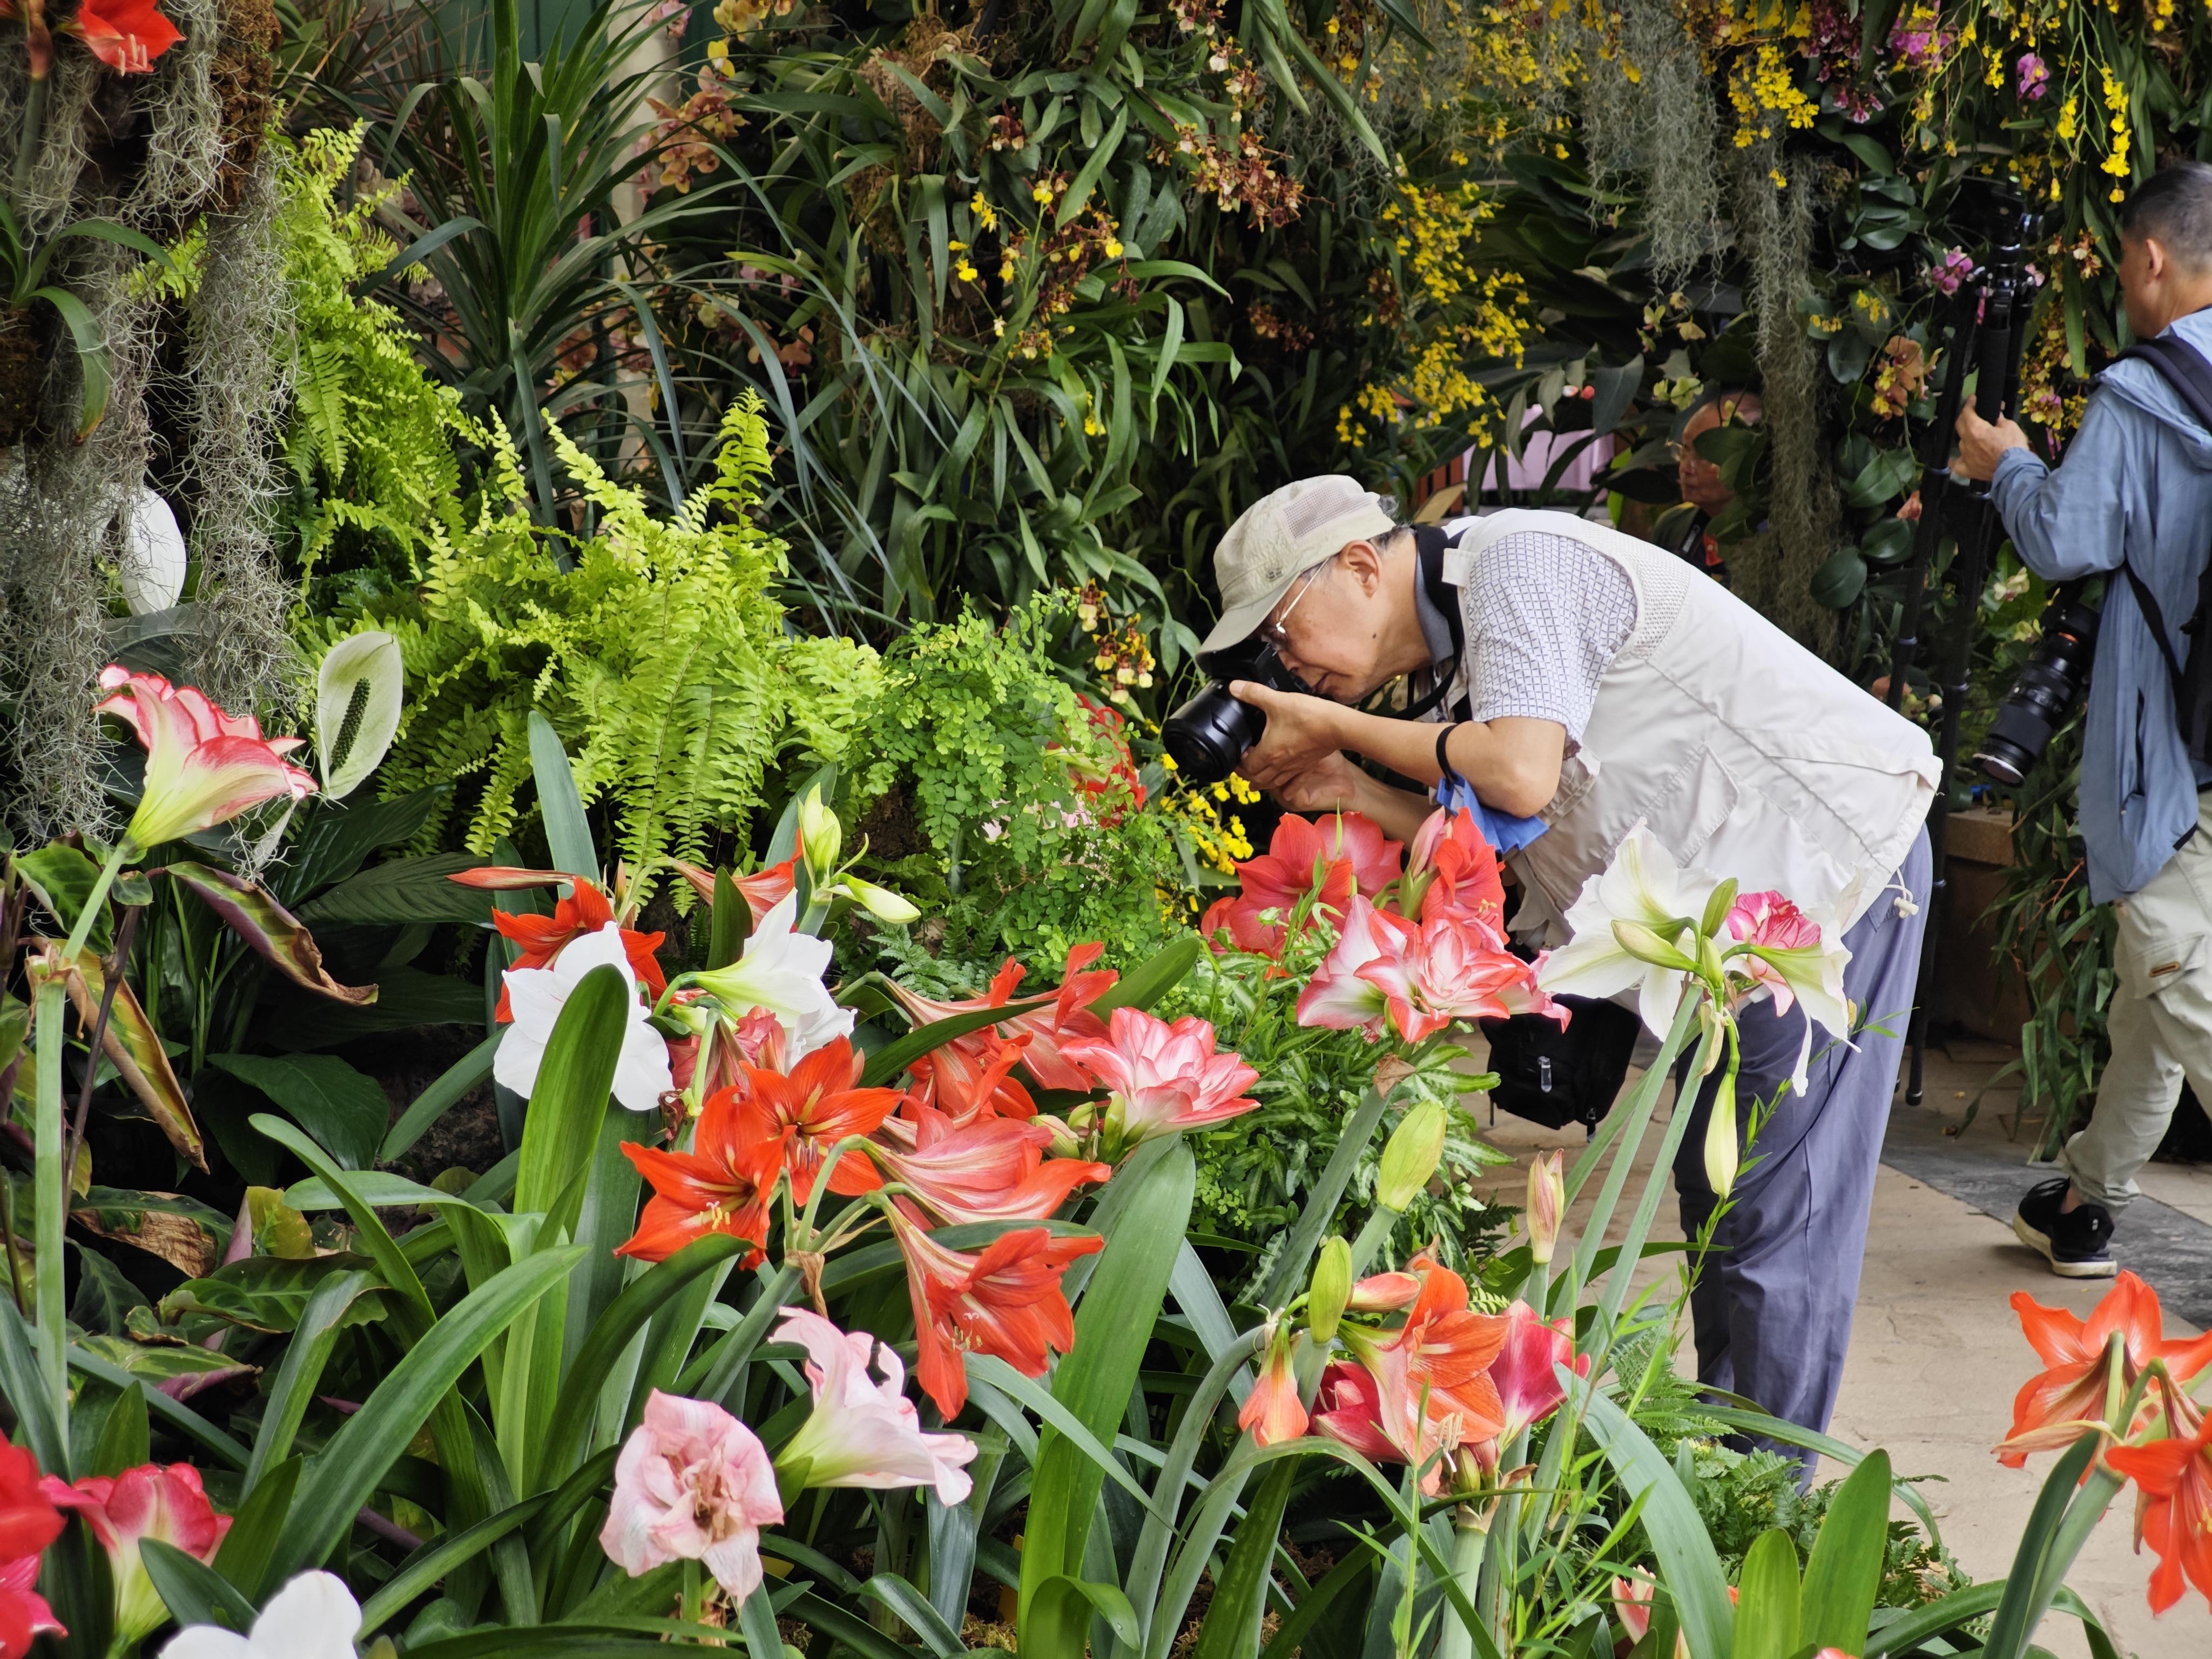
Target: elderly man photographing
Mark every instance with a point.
(1590, 681)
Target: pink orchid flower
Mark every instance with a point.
(203, 766)
(863, 1432)
(692, 1484)
(151, 1501)
(1163, 1078)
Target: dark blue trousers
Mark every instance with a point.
(1772, 1306)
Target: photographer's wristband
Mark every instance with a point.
(1447, 772)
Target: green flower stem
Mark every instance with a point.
(50, 1178)
(1469, 1543)
(1371, 1239)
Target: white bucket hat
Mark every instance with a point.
(1282, 534)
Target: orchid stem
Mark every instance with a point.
(50, 1178)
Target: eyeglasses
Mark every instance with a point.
(1271, 633)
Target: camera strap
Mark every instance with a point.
(2184, 368)
(1430, 544)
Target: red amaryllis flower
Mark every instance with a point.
(126, 35)
(1005, 1299)
(720, 1186)
(807, 1112)
(585, 910)
(1527, 1385)
(2173, 1509)
(1273, 1411)
(203, 767)
(966, 1084)
(1163, 1076)
(1432, 1376)
(763, 890)
(989, 1170)
(1047, 1030)
(151, 1501)
(24, 1614)
(1453, 871)
(1342, 854)
(2055, 1406)
(28, 1519)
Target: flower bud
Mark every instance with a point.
(1716, 908)
(820, 835)
(1384, 1292)
(1331, 1289)
(1411, 1155)
(1547, 1197)
(1645, 945)
(1065, 1143)
(1723, 1155)
(881, 902)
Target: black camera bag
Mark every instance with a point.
(1555, 1076)
(2186, 370)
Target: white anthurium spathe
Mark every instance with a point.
(781, 971)
(154, 561)
(1644, 888)
(359, 690)
(314, 1617)
(537, 995)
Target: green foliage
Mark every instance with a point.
(655, 646)
(372, 437)
(994, 794)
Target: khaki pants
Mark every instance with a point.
(2160, 1022)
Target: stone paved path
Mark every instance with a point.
(1937, 1355)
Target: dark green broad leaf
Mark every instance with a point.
(268, 1293)
(1841, 577)
(104, 1297)
(61, 878)
(1887, 542)
(345, 1111)
(405, 997)
(1849, 353)
(1887, 474)
(177, 1372)
(404, 891)
(333, 843)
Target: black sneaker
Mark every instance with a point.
(2073, 1242)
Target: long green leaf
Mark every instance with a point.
(894, 1057)
(256, 1527)
(1844, 1574)
(1231, 1630)
(1152, 979)
(1687, 1566)
(570, 1099)
(368, 1443)
(1055, 1415)
(33, 1407)
(568, 832)
(302, 1371)
(1917, 1626)
(910, 1604)
(1119, 1306)
(196, 1592)
(1767, 1615)
(425, 1567)
(1058, 1623)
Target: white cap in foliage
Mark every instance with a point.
(153, 562)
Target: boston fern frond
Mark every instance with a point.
(660, 657)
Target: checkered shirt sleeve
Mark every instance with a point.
(1545, 616)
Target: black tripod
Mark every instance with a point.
(1986, 332)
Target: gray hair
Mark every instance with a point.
(2174, 207)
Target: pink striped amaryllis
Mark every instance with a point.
(151, 1501)
(990, 1168)
(1162, 1078)
(1451, 871)
(1419, 977)
(203, 767)
(864, 1432)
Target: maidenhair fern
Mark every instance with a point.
(660, 657)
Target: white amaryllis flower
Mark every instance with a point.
(781, 972)
(314, 1617)
(1644, 888)
(537, 995)
(865, 1432)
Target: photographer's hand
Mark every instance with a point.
(1303, 734)
(1980, 443)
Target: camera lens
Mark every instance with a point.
(2040, 698)
(1208, 735)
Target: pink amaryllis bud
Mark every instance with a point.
(1273, 1411)
(692, 1484)
(203, 767)
(151, 1501)
(1547, 1200)
(1384, 1292)
(864, 1432)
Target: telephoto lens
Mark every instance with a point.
(1208, 735)
(2046, 691)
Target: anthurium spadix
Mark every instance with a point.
(358, 692)
(1635, 924)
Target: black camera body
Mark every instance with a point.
(2045, 690)
(1208, 735)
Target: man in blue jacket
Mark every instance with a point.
(2135, 489)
